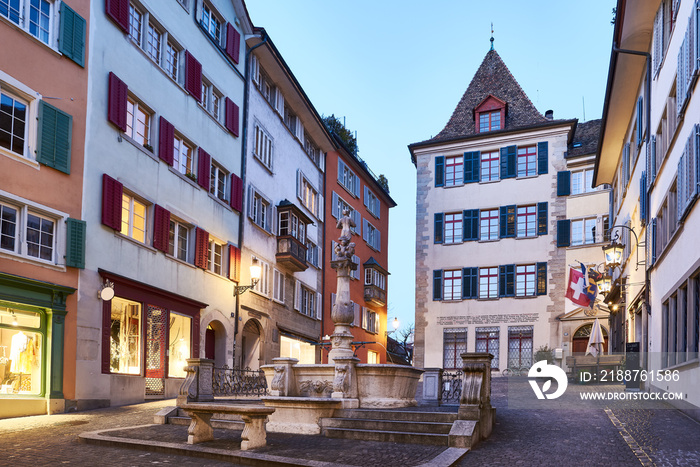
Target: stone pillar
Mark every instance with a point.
(432, 390)
(284, 382)
(343, 312)
(197, 386)
(345, 382)
(475, 402)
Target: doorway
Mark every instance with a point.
(250, 345)
(579, 343)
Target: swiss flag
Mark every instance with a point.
(576, 291)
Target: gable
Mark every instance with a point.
(490, 103)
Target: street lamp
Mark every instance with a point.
(255, 272)
(395, 324)
(613, 253)
(605, 284)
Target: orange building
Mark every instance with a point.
(351, 185)
(43, 94)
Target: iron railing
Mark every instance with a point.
(238, 382)
(451, 387)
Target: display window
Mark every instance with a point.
(180, 331)
(21, 344)
(125, 337)
(294, 348)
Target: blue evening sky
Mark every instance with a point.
(396, 69)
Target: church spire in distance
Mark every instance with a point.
(491, 36)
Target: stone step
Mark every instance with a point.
(397, 415)
(387, 436)
(215, 423)
(387, 425)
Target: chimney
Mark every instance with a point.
(549, 115)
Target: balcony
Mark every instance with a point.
(291, 253)
(374, 295)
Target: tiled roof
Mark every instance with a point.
(492, 77)
(585, 140)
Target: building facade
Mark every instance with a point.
(490, 274)
(283, 221)
(351, 186)
(42, 239)
(649, 153)
(164, 195)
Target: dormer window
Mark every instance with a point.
(490, 114)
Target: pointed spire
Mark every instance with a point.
(492, 36)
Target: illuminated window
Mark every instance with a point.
(133, 218)
(125, 337)
(180, 344)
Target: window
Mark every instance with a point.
(581, 182)
(178, 240)
(487, 341)
(374, 277)
(263, 285)
(211, 23)
(371, 235)
(21, 352)
(180, 327)
(260, 210)
(307, 302)
(454, 170)
(217, 181)
(290, 224)
(312, 150)
(372, 203)
(9, 219)
(172, 52)
(583, 231)
(490, 167)
(13, 123)
(489, 224)
(125, 337)
(278, 285)
(348, 179)
(527, 161)
(372, 357)
(264, 84)
(182, 155)
(354, 273)
(40, 237)
(27, 232)
(295, 348)
(454, 344)
(312, 253)
(527, 221)
(138, 122)
(369, 320)
(339, 206)
(153, 40)
(216, 253)
(309, 196)
(452, 284)
(453, 227)
(290, 120)
(206, 88)
(489, 121)
(488, 282)
(525, 280)
(133, 218)
(263, 147)
(520, 346)
(135, 24)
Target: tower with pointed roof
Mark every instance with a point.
(489, 274)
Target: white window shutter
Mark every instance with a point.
(299, 183)
(357, 218)
(319, 214)
(367, 198)
(334, 206)
(358, 314)
(322, 160)
(365, 230)
(378, 240)
(280, 103)
(251, 204)
(356, 185)
(300, 131)
(319, 306)
(297, 295)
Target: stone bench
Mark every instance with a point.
(200, 429)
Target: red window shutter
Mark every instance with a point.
(193, 76)
(166, 144)
(116, 107)
(201, 249)
(232, 116)
(234, 263)
(236, 193)
(112, 192)
(233, 43)
(118, 10)
(161, 228)
(204, 169)
(195, 336)
(106, 334)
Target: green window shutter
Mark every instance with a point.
(541, 278)
(506, 280)
(542, 157)
(542, 218)
(563, 183)
(71, 35)
(437, 285)
(472, 161)
(563, 232)
(54, 137)
(509, 162)
(75, 243)
(469, 282)
(437, 234)
(440, 171)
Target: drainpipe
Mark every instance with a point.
(244, 149)
(323, 258)
(647, 281)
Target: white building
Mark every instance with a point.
(286, 144)
(162, 194)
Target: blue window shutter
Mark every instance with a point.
(501, 281)
(475, 224)
(471, 166)
(438, 227)
(542, 218)
(440, 171)
(469, 279)
(541, 278)
(640, 120)
(506, 280)
(75, 243)
(653, 242)
(564, 183)
(510, 221)
(563, 232)
(643, 198)
(512, 157)
(470, 224)
(437, 284)
(503, 222)
(542, 157)
(54, 137)
(71, 35)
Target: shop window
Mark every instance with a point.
(20, 352)
(372, 357)
(295, 348)
(180, 330)
(125, 337)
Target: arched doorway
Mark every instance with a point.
(215, 343)
(250, 345)
(579, 342)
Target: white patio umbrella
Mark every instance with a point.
(596, 340)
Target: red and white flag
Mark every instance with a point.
(576, 290)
